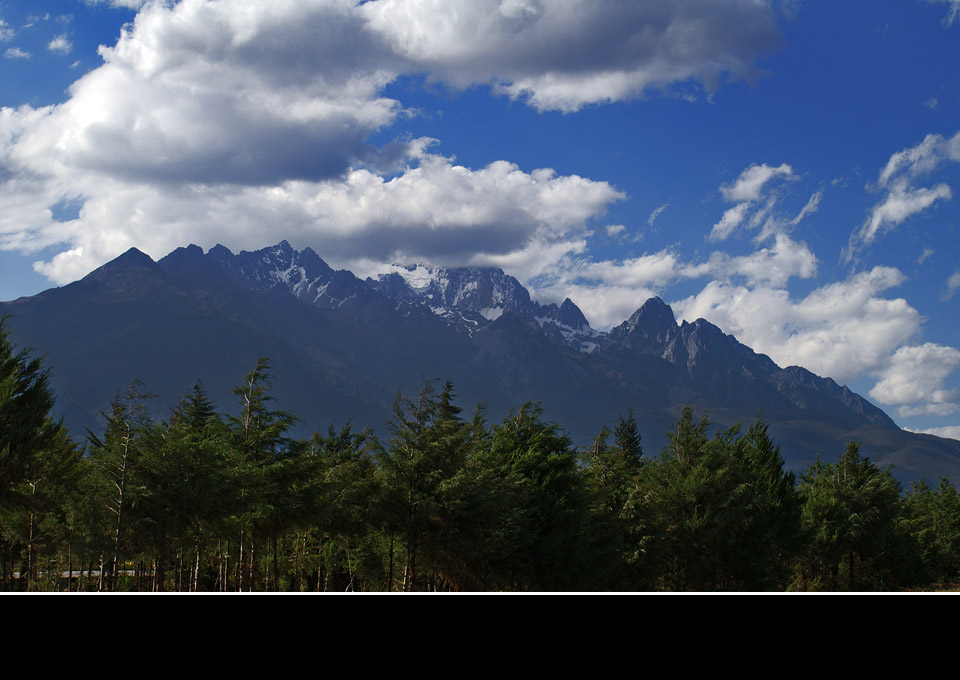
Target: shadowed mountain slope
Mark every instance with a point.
(342, 347)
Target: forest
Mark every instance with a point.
(207, 501)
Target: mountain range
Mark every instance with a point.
(342, 347)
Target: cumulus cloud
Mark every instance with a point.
(841, 330)
(16, 53)
(746, 192)
(751, 181)
(6, 33)
(60, 44)
(609, 291)
(564, 55)
(773, 266)
(914, 380)
(903, 199)
(209, 120)
(947, 432)
(437, 211)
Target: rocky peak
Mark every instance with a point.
(650, 329)
(569, 315)
(130, 263)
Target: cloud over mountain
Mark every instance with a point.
(205, 116)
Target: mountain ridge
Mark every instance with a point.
(342, 346)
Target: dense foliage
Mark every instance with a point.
(211, 502)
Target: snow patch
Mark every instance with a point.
(491, 313)
(418, 277)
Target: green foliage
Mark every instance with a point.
(852, 527)
(933, 520)
(206, 501)
(717, 513)
(420, 470)
(115, 482)
(611, 477)
(540, 462)
(27, 427)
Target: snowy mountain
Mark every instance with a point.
(466, 298)
(341, 348)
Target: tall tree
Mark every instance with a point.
(27, 425)
(116, 462)
(933, 519)
(262, 450)
(717, 512)
(425, 451)
(852, 518)
(553, 501)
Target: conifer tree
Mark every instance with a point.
(933, 519)
(553, 501)
(27, 426)
(855, 539)
(424, 453)
(116, 461)
(262, 453)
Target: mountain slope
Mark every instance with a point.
(342, 347)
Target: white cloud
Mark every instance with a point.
(564, 55)
(841, 330)
(772, 266)
(6, 33)
(16, 53)
(609, 291)
(751, 181)
(209, 120)
(921, 159)
(903, 199)
(125, 4)
(732, 218)
(437, 211)
(947, 432)
(746, 192)
(606, 291)
(60, 44)
(656, 213)
(615, 229)
(953, 10)
(952, 286)
(914, 380)
(900, 203)
(812, 205)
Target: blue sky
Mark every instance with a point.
(785, 169)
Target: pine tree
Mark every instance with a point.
(262, 452)
(27, 426)
(933, 519)
(852, 518)
(424, 453)
(716, 513)
(552, 541)
(186, 482)
(116, 461)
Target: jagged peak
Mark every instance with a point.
(131, 258)
(653, 309)
(654, 318)
(219, 251)
(191, 251)
(570, 315)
